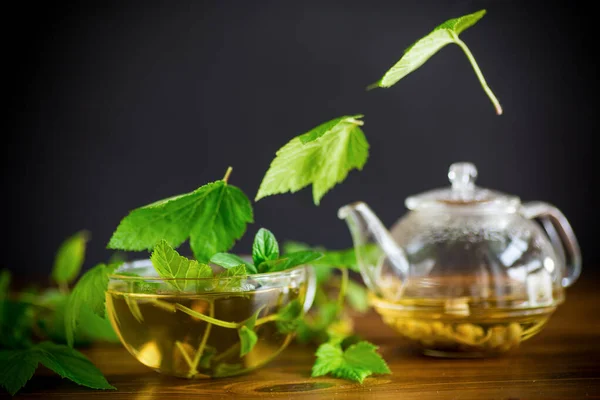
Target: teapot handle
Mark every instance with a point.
(561, 235)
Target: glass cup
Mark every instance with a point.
(206, 327)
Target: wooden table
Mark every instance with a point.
(563, 361)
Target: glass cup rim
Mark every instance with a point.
(145, 262)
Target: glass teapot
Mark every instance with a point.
(468, 272)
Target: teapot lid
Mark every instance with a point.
(463, 193)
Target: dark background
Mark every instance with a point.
(116, 106)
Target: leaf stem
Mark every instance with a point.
(184, 353)
(484, 84)
(194, 366)
(227, 173)
(206, 318)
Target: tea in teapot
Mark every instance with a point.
(468, 272)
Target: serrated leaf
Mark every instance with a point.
(228, 260)
(16, 368)
(417, 54)
(321, 157)
(290, 260)
(265, 247)
(355, 363)
(88, 292)
(69, 258)
(179, 272)
(71, 364)
(213, 216)
(230, 279)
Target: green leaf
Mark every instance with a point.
(88, 292)
(69, 258)
(265, 247)
(417, 54)
(355, 363)
(423, 49)
(289, 261)
(71, 364)
(16, 368)
(213, 216)
(228, 260)
(230, 279)
(248, 339)
(289, 316)
(91, 327)
(180, 272)
(207, 355)
(357, 296)
(16, 321)
(321, 157)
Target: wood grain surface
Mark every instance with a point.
(562, 362)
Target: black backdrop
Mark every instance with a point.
(115, 106)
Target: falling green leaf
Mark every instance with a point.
(69, 258)
(213, 216)
(417, 54)
(321, 157)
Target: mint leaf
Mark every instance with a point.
(265, 247)
(289, 261)
(417, 54)
(213, 216)
(69, 258)
(71, 364)
(180, 272)
(355, 363)
(321, 157)
(248, 337)
(323, 272)
(228, 260)
(88, 292)
(16, 368)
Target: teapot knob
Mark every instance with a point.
(462, 175)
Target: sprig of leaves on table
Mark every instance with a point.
(33, 331)
(420, 51)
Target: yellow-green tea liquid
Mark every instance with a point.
(160, 332)
(463, 328)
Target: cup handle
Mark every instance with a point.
(561, 236)
(311, 289)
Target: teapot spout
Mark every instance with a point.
(374, 247)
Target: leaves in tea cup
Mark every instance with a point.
(213, 217)
(228, 260)
(248, 337)
(265, 247)
(322, 157)
(289, 316)
(179, 272)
